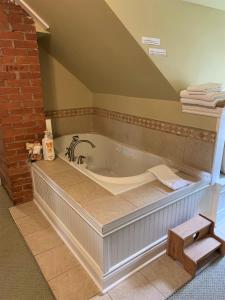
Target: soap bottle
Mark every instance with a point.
(48, 146)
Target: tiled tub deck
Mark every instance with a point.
(112, 236)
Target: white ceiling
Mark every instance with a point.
(218, 4)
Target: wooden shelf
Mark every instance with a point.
(201, 249)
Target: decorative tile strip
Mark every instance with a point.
(185, 131)
(71, 112)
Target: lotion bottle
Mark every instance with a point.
(48, 146)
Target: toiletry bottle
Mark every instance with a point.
(48, 146)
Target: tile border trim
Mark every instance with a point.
(176, 129)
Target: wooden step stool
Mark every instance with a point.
(194, 244)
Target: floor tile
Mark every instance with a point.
(43, 240)
(28, 225)
(74, 284)
(23, 210)
(56, 261)
(166, 275)
(135, 287)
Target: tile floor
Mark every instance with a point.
(68, 279)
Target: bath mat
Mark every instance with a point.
(20, 277)
(208, 285)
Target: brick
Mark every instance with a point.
(21, 103)
(14, 52)
(34, 68)
(27, 60)
(32, 52)
(17, 83)
(30, 75)
(31, 36)
(5, 60)
(12, 35)
(6, 43)
(5, 90)
(15, 18)
(24, 28)
(25, 44)
(6, 75)
(28, 20)
(32, 89)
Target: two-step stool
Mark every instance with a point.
(194, 244)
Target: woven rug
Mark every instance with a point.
(20, 277)
(208, 285)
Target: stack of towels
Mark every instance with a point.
(203, 97)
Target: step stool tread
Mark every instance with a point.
(190, 227)
(202, 248)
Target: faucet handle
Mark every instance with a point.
(75, 137)
(81, 159)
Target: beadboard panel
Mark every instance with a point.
(82, 231)
(144, 233)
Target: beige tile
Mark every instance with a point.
(143, 195)
(135, 287)
(198, 154)
(166, 275)
(152, 140)
(28, 225)
(56, 261)
(86, 191)
(71, 125)
(53, 167)
(67, 178)
(172, 147)
(74, 284)
(42, 240)
(102, 297)
(24, 210)
(107, 209)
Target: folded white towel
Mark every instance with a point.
(207, 87)
(167, 177)
(211, 104)
(202, 110)
(206, 97)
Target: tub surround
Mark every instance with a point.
(185, 131)
(177, 142)
(96, 224)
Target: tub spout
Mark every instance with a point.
(70, 151)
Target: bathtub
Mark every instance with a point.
(114, 166)
(112, 250)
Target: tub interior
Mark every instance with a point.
(109, 158)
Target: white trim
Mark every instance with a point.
(219, 147)
(33, 14)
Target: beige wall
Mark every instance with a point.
(62, 89)
(193, 35)
(167, 111)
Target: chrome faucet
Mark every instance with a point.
(70, 151)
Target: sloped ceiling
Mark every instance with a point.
(218, 4)
(90, 41)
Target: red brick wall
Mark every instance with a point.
(21, 102)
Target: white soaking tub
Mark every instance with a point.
(114, 166)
